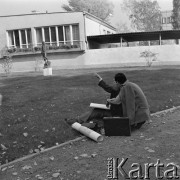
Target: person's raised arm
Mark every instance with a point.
(98, 76)
(106, 87)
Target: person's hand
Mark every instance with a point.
(108, 101)
(114, 100)
(107, 104)
(98, 76)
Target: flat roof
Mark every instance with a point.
(83, 12)
(135, 36)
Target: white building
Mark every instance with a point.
(60, 30)
(166, 20)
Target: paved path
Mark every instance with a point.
(87, 160)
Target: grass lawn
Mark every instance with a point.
(34, 107)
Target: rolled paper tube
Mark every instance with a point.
(76, 126)
(87, 132)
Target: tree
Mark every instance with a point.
(176, 14)
(149, 57)
(100, 8)
(122, 27)
(145, 15)
(6, 61)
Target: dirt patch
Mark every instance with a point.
(87, 159)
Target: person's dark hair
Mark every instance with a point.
(120, 78)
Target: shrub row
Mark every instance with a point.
(12, 50)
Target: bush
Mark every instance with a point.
(65, 46)
(74, 46)
(149, 57)
(37, 48)
(50, 47)
(27, 49)
(6, 63)
(12, 50)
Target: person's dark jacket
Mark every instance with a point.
(116, 110)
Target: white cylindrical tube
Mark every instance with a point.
(87, 132)
(76, 126)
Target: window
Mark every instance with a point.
(46, 35)
(75, 34)
(53, 35)
(58, 35)
(169, 20)
(26, 38)
(163, 20)
(67, 34)
(16, 35)
(23, 37)
(11, 38)
(39, 35)
(20, 38)
(29, 37)
(75, 31)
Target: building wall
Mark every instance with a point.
(111, 57)
(39, 20)
(130, 56)
(88, 25)
(95, 28)
(166, 20)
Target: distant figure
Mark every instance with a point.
(47, 63)
(43, 52)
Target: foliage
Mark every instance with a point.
(6, 60)
(37, 48)
(144, 15)
(55, 47)
(122, 28)
(176, 14)
(17, 50)
(149, 57)
(6, 63)
(99, 8)
(12, 50)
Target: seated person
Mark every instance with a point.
(133, 100)
(96, 115)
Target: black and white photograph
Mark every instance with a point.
(89, 89)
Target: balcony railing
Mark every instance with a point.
(50, 47)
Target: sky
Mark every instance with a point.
(12, 7)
